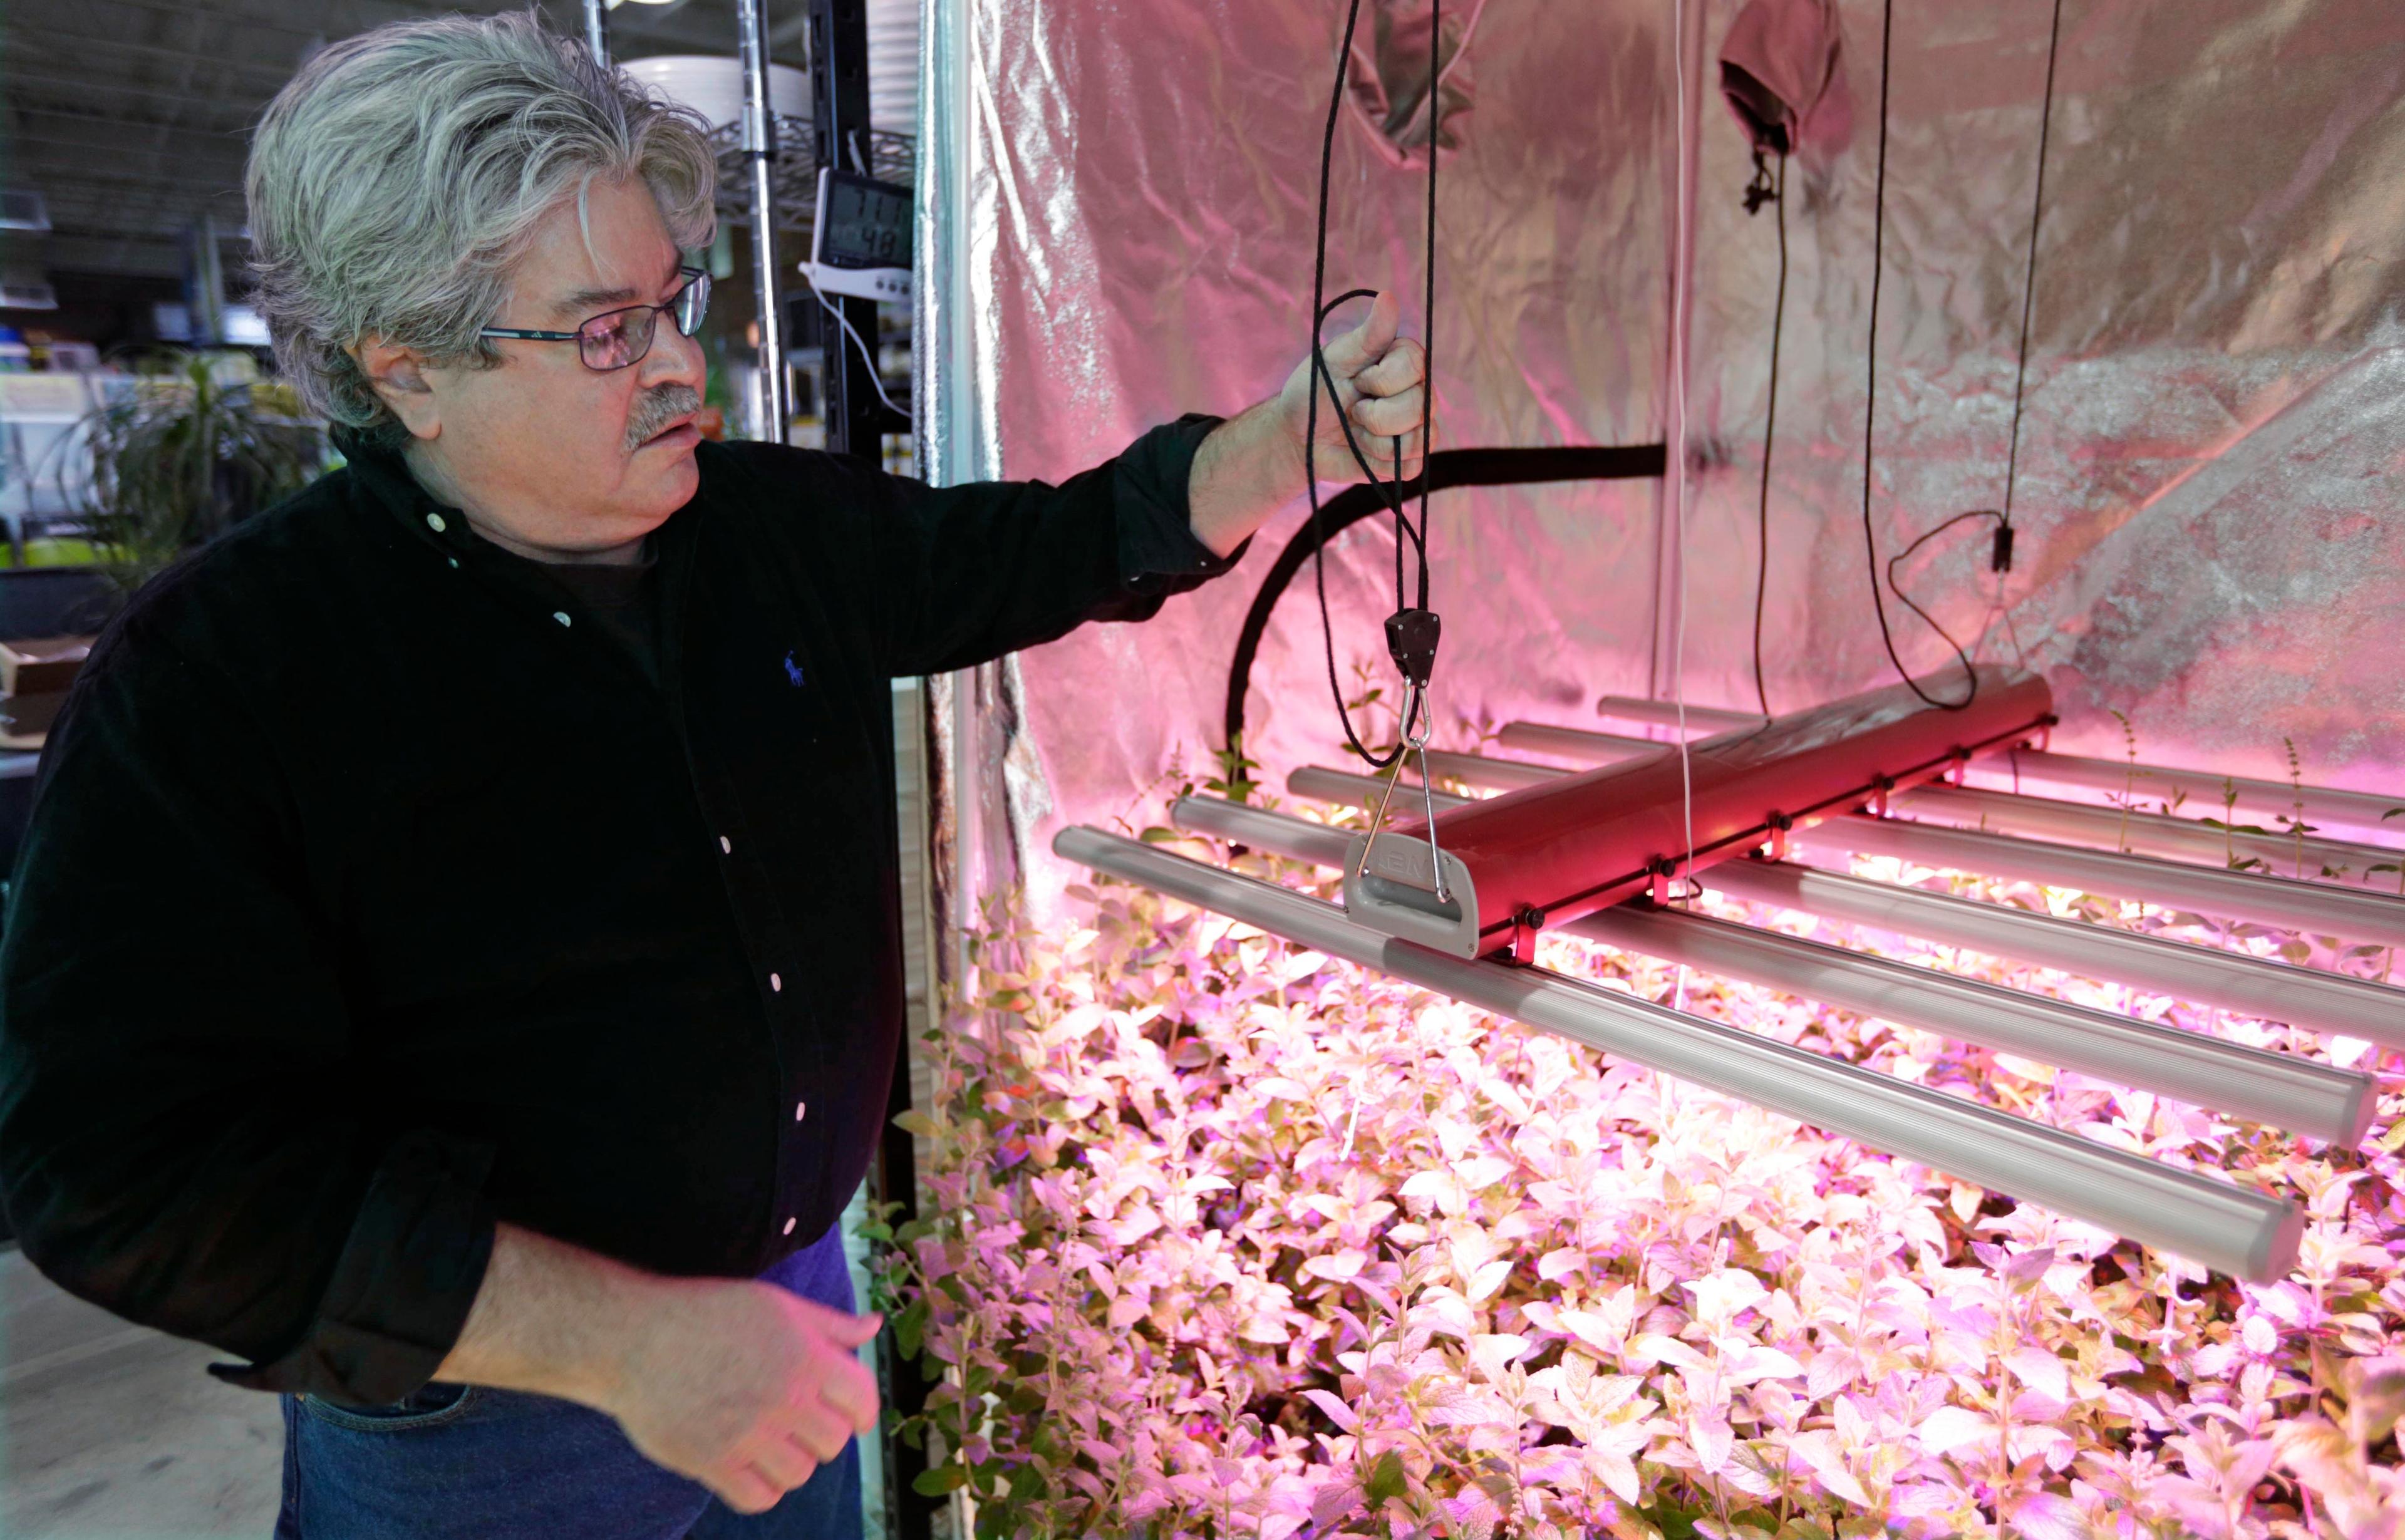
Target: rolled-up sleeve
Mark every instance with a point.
(180, 1140)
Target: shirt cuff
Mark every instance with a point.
(403, 1285)
(1158, 551)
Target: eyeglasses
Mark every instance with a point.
(617, 338)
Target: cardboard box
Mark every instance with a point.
(41, 666)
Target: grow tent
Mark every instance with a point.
(1124, 232)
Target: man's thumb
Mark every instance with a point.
(1349, 354)
(854, 1330)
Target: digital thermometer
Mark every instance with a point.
(859, 243)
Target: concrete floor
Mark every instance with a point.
(113, 1432)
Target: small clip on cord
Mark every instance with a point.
(1411, 640)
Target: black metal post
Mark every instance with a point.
(854, 417)
(760, 159)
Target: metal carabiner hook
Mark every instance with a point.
(1427, 796)
(1378, 814)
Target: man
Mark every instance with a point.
(454, 963)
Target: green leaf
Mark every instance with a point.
(937, 1482)
(1025, 1396)
(910, 1120)
(910, 1328)
(1158, 836)
(1387, 1478)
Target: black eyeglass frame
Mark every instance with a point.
(696, 289)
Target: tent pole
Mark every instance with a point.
(597, 31)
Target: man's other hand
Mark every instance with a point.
(738, 1384)
(743, 1387)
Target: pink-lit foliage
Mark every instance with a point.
(1227, 1238)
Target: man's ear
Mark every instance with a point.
(398, 375)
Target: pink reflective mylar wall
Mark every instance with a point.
(2210, 447)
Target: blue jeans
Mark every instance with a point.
(469, 1462)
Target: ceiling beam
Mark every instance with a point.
(39, 46)
(11, 79)
(77, 112)
(114, 137)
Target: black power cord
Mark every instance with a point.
(1870, 404)
(1765, 189)
(1413, 630)
(2001, 552)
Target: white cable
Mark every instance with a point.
(1678, 467)
(865, 357)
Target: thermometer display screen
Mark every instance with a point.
(867, 224)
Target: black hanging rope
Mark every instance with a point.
(1392, 493)
(2029, 284)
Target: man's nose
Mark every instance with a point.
(675, 358)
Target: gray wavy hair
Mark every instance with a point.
(396, 181)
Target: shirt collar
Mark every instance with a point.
(387, 478)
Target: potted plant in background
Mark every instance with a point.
(176, 456)
(194, 448)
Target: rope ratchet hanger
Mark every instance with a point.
(1414, 629)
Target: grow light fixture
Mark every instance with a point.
(1552, 851)
(1594, 852)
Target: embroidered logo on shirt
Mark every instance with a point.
(793, 670)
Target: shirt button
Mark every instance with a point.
(453, 560)
(799, 1107)
(789, 1226)
(725, 845)
(434, 522)
(561, 616)
(776, 985)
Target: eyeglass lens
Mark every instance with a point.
(618, 339)
(623, 336)
(693, 303)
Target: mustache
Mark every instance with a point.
(660, 406)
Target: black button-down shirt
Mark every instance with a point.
(374, 892)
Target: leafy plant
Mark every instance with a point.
(2296, 818)
(1222, 1238)
(184, 457)
(2129, 781)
